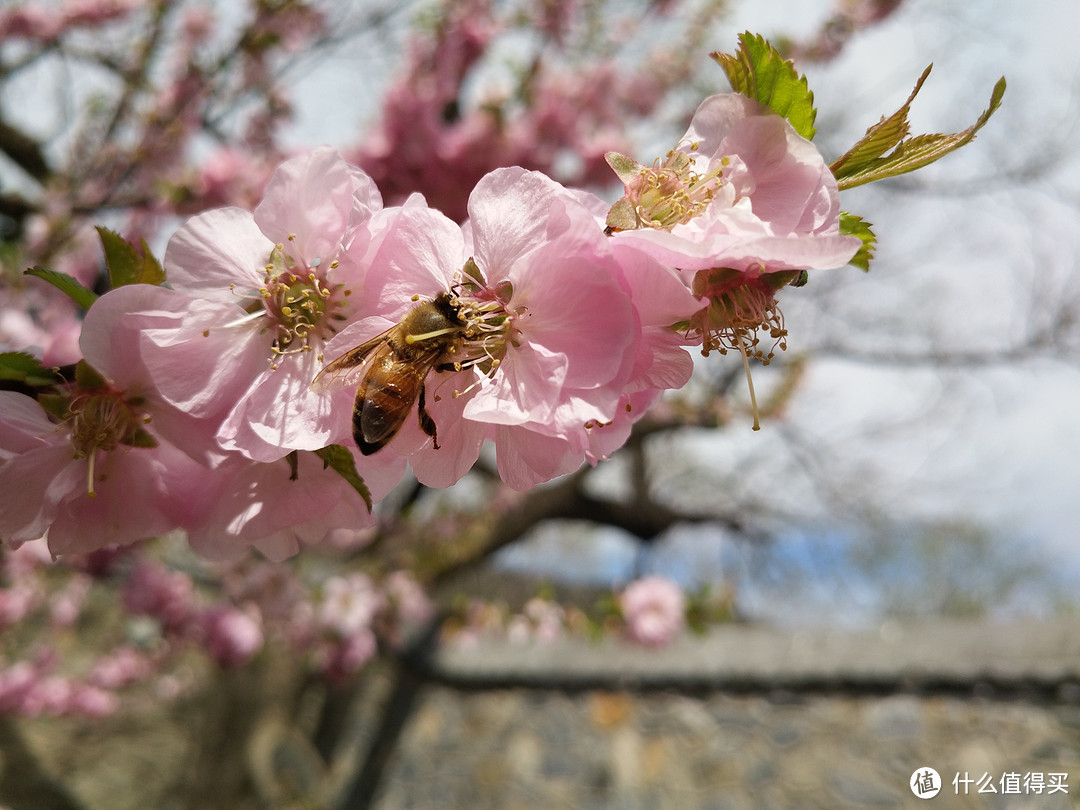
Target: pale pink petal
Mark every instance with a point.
(513, 211)
(126, 506)
(280, 413)
(24, 425)
(216, 251)
(419, 252)
(309, 203)
(34, 484)
(205, 361)
(525, 458)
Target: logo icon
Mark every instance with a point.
(925, 783)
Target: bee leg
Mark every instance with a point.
(427, 424)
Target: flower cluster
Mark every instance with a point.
(652, 611)
(531, 327)
(276, 377)
(153, 616)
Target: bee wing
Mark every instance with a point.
(347, 370)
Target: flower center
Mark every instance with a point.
(739, 309)
(490, 322)
(298, 303)
(103, 420)
(671, 193)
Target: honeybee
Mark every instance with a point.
(395, 365)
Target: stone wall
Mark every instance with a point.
(750, 717)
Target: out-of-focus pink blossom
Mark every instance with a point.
(66, 604)
(546, 619)
(16, 602)
(88, 700)
(356, 650)
(350, 604)
(90, 13)
(17, 683)
(231, 636)
(654, 609)
(29, 689)
(123, 666)
(408, 603)
(339, 658)
(31, 21)
(168, 596)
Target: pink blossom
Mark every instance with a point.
(408, 607)
(232, 637)
(105, 472)
(16, 602)
(546, 619)
(17, 684)
(30, 21)
(66, 604)
(228, 176)
(341, 658)
(264, 292)
(407, 600)
(95, 12)
(742, 189)
(88, 700)
(85, 492)
(28, 689)
(654, 610)
(350, 604)
(166, 595)
(550, 336)
(123, 666)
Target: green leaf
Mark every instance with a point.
(867, 160)
(341, 460)
(759, 71)
(125, 264)
(66, 284)
(152, 271)
(89, 378)
(140, 438)
(853, 225)
(56, 405)
(26, 369)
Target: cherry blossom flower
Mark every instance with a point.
(79, 482)
(231, 636)
(741, 187)
(349, 608)
(740, 207)
(744, 198)
(350, 604)
(654, 610)
(163, 594)
(549, 334)
(263, 292)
